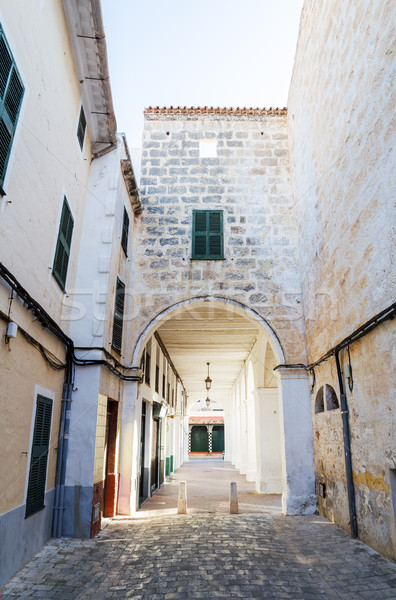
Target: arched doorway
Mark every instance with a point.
(242, 350)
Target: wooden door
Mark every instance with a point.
(199, 439)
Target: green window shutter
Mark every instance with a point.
(118, 316)
(82, 125)
(63, 245)
(207, 234)
(125, 232)
(39, 458)
(11, 94)
(215, 235)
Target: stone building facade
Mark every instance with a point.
(341, 133)
(267, 229)
(249, 180)
(232, 162)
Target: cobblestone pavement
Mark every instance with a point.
(207, 555)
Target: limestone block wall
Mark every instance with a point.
(341, 131)
(249, 179)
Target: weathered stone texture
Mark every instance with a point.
(250, 181)
(341, 137)
(341, 134)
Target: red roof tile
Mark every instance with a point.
(210, 110)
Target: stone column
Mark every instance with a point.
(129, 449)
(228, 440)
(251, 439)
(236, 448)
(186, 439)
(296, 442)
(243, 439)
(268, 442)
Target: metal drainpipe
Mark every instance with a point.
(63, 448)
(347, 451)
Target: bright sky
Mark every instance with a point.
(198, 53)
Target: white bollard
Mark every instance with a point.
(182, 500)
(233, 498)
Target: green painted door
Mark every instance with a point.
(199, 439)
(218, 438)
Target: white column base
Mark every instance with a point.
(268, 447)
(251, 475)
(297, 442)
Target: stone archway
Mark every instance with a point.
(287, 396)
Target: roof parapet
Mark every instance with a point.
(210, 110)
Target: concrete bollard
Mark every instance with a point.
(182, 500)
(233, 498)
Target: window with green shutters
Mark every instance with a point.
(118, 321)
(39, 457)
(63, 245)
(11, 94)
(125, 232)
(82, 125)
(207, 240)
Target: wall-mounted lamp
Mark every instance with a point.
(208, 385)
(208, 381)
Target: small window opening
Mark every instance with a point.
(125, 232)
(319, 404)
(322, 489)
(82, 126)
(331, 398)
(207, 148)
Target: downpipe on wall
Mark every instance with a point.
(347, 450)
(59, 504)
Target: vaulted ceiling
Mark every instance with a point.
(203, 333)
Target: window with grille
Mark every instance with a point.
(63, 245)
(207, 240)
(39, 457)
(82, 126)
(125, 232)
(118, 321)
(11, 94)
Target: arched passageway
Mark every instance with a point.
(266, 429)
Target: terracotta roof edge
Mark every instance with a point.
(211, 110)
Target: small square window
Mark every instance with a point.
(207, 148)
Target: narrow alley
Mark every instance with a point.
(159, 555)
